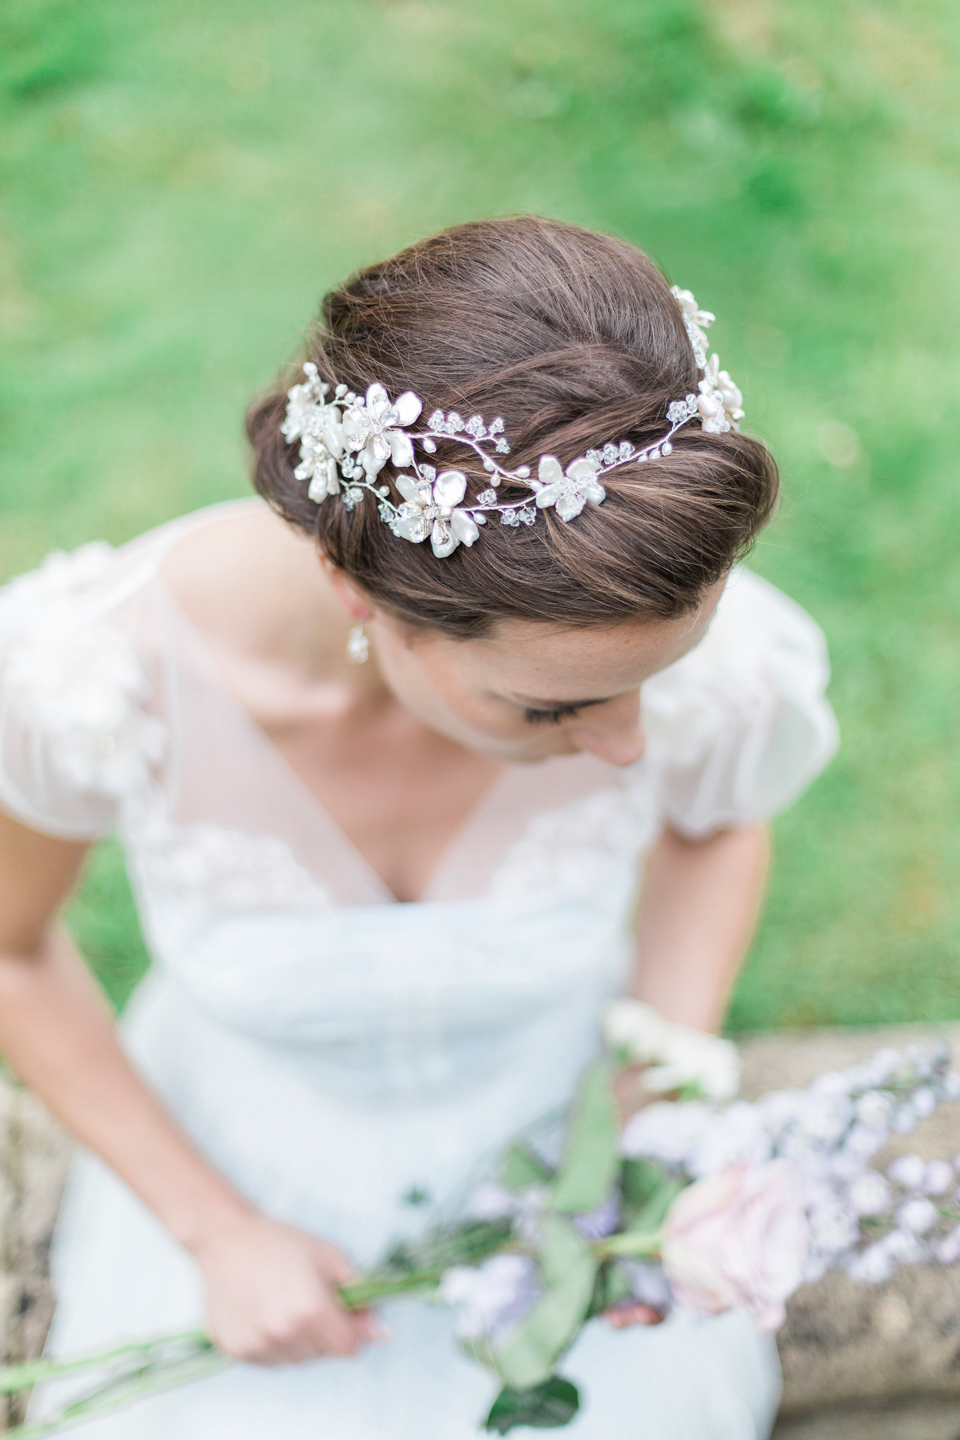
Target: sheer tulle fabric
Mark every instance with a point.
(332, 1050)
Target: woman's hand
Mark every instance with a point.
(271, 1295)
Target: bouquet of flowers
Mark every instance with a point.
(695, 1203)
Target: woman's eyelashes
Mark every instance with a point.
(551, 717)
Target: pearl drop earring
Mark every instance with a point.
(358, 646)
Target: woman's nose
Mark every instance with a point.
(615, 734)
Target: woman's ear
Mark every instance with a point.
(357, 605)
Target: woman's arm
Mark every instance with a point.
(270, 1288)
(698, 910)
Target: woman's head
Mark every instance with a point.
(575, 340)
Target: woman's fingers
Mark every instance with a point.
(333, 1264)
(632, 1312)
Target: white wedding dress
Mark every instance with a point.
(332, 1050)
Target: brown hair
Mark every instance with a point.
(574, 338)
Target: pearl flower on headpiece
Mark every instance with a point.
(428, 509)
(568, 492)
(374, 429)
(349, 438)
(719, 402)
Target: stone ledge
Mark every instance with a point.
(923, 1420)
(34, 1154)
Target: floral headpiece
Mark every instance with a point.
(346, 441)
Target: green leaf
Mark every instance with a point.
(638, 1181)
(591, 1159)
(568, 1268)
(612, 1284)
(542, 1407)
(654, 1212)
(521, 1168)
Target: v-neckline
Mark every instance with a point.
(359, 863)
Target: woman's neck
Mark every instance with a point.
(256, 591)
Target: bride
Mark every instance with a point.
(392, 749)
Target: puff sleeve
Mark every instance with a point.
(741, 725)
(77, 741)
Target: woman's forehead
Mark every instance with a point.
(540, 664)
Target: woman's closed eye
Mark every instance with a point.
(551, 717)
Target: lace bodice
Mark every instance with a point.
(112, 717)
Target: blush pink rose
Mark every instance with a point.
(738, 1239)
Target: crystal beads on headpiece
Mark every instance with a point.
(346, 440)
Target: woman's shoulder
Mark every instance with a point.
(83, 716)
(741, 724)
(98, 577)
(243, 581)
(757, 637)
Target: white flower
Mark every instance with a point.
(696, 322)
(428, 510)
(666, 1132)
(918, 1216)
(907, 1170)
(825, 1119)
(569, 491)
(778, 1109)
(938, 1178)
(882, 1066)
(708, 1062)
(924, 1102)
(83, 686)
(863, 1141)
(872, 1266)
(55, 582)
(318, 428)
(720, 403)
(869, 1193)
(845, 1167)
(904, 1247)
(637, 1028)
(735, 1136)
(491, 1296)
(691, 311)
(678, 1055)
(320, 450)
(374, 429)
(833, 1226)
(874, 1108)
(947, 1250)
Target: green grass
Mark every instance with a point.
(179, 183)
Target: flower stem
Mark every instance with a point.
(124, 1390)
(629, 1243)
(361, 1293)
(24, 1377)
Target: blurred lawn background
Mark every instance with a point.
(180, 182)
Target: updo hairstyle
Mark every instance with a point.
(575, 340)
